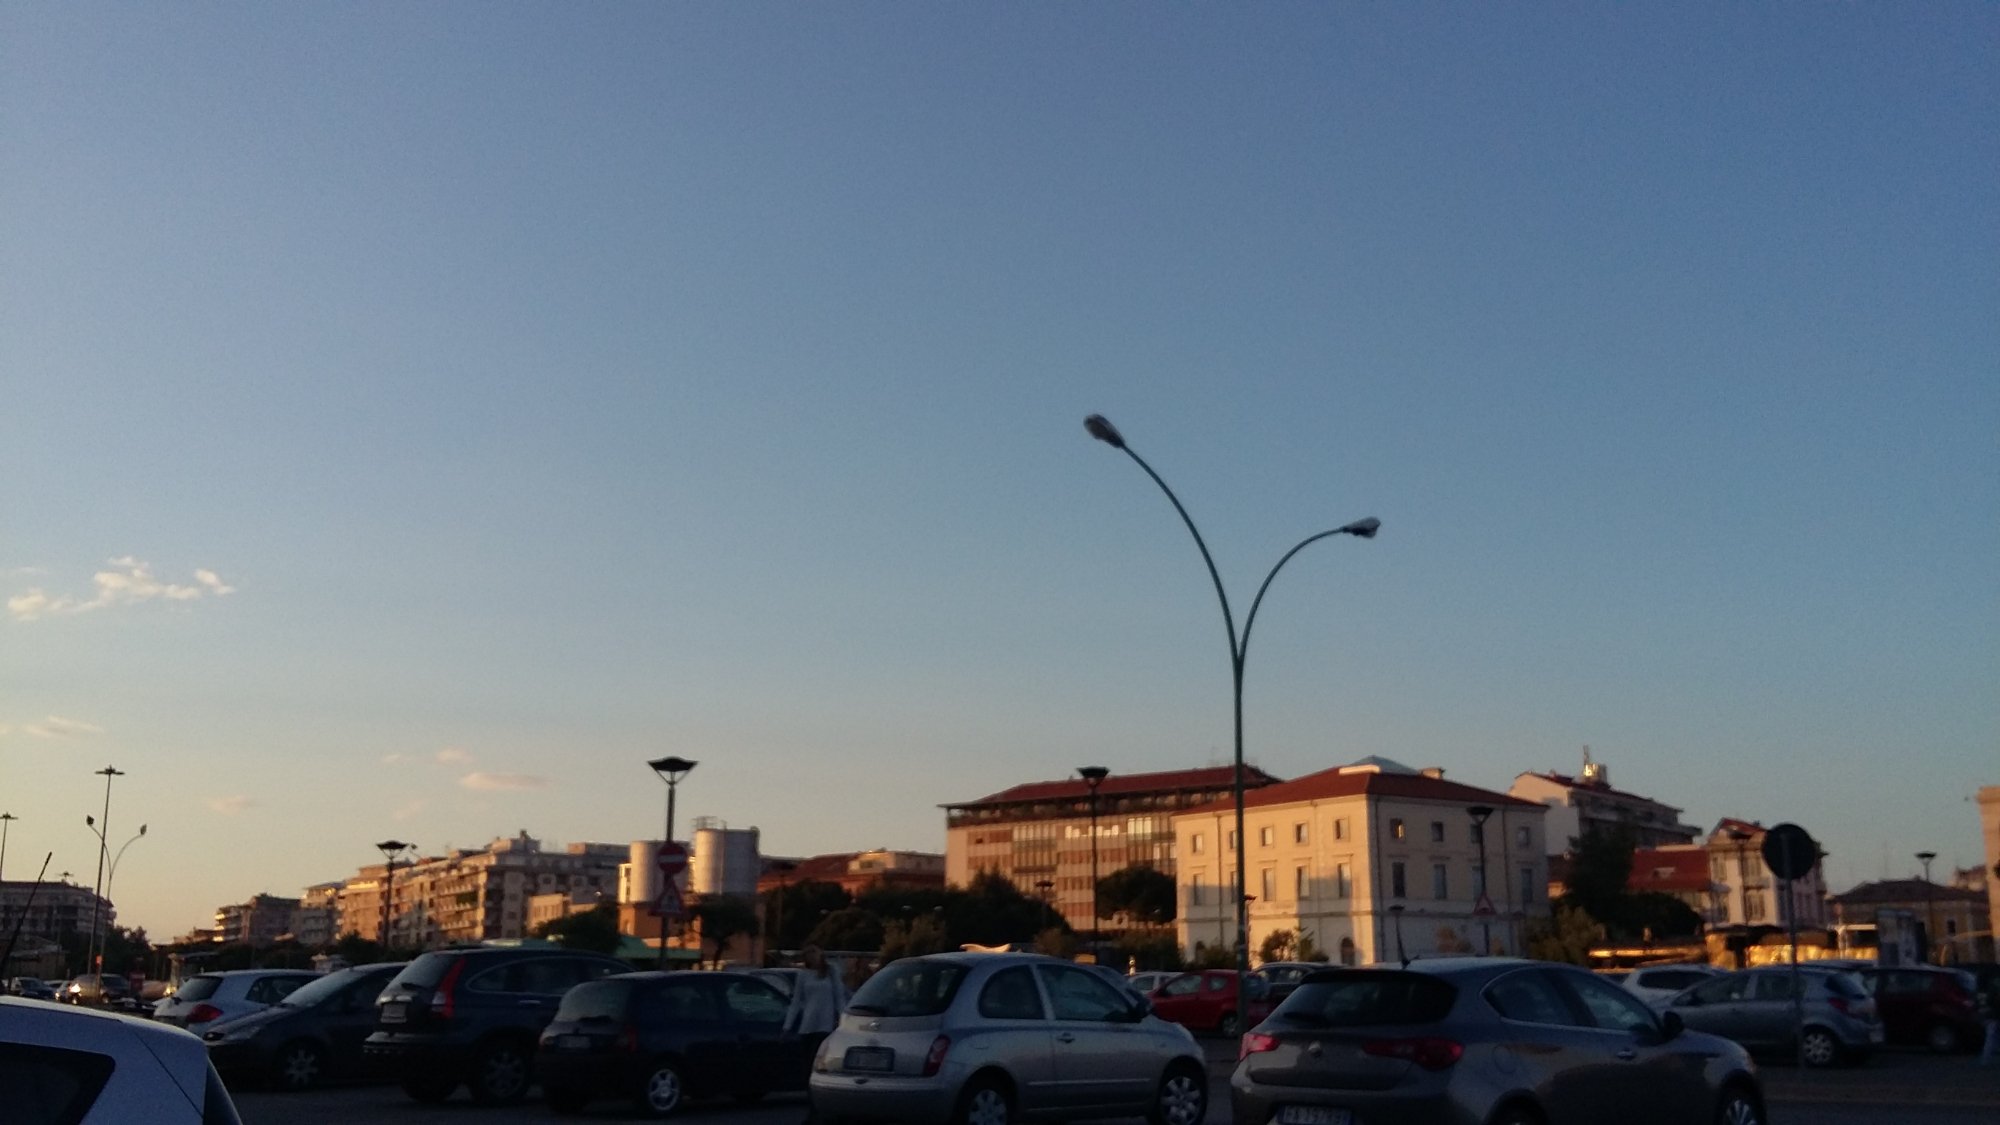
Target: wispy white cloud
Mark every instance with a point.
(230, 806)
(484, 781)
(55, 726)
(130, 581)
(454, 756)
(409, 809)
(391, 759)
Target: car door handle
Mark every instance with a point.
(1065, 1037)
(1628, 1054)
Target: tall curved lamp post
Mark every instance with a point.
(1239, 645)
(390, 849)
(671, 769)
(1093, 776)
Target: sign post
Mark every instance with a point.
(1791, 854)
(672, 861)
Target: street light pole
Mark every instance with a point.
(1104, 431)
(1093, 776)
(95, 951)
(671, 769)
(1479, 813)
(1048, 911)
(390, 850)
(1396, 912)
(7, 820)
(1930, 909)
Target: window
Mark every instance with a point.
(1478, 833)
(1396, 831)
(1340, 828)
(1611, 1007)
(1011, 995)
(1197, 844)
(1437, 831)
(685, 1001)
(1754, 905)
(1194, 890)
(1268, 880)
(1343, 881)
(1521, 837)
(1440, 882)
(1081, 995)
(1530, 997)
(1725, 989)
(1232, 839)
(1301, 884)
(1397, 885)
(1186, 985)
(1266, 836)
(1527, 887)
(51, 1083)
(753, 1002)
(909, 988)
(1299, 832)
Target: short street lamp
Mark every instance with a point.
(1093, 776)
(390, 850)
(1239, 645)
(1930, 908)
(671, 769)
(1479, 813)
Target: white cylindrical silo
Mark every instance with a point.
(726, 860)
(645, 884)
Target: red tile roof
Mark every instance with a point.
(1896, 891)
(1121, 785)
(1332, 783)
(1669, 870)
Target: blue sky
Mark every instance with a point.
(469, 402)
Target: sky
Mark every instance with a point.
(413, 418)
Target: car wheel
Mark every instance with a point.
(1228, 1026)
(984, 1101)
(299, 1066)
(564, 1100)
(661, 1091)
(1819, 1048)
(1942, 1038)
(1738, 1107)
(1182, 1098)
(429, 1088)
(499, 1074)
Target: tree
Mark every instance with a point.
(1056, 941)
(1566, 935)
(1658, 917)
(993, 911)
(853, 930)
(595, 930)
(1279, 945)
(1148, 950)
(1139, 893)
(1600, 866)
(722, 917)
(1309, 949)
(921, 934)
(1216, 956)
(791, 912)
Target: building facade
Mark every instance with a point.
(1587, 802)
(1371, 860)
(474, 895)
(256, 923)
(51, 910)
(1038, 835)
(1953, 920)
(1747, 894)
(317, 920)
(856, 872)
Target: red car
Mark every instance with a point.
(1206, 1000)
(1929, 1006)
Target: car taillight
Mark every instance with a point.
(628, 1038)
(444, 1001)
(203, 1013)
(934, 1058)
(1426, 1052)
(1839, 1004)
(1254, 1042)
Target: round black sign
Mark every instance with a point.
(1789, 851)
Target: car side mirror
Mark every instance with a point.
(1671, 1025)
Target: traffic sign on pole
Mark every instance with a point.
(672, 861)
(1484, 907)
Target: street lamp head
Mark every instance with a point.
(1479, 813)
(1926, 857)
(391, 847)
(671, 768)
(1102, 429)
(1363, 529)
(142, 830)
(109, 771)
(90, 820)
(1093, 775)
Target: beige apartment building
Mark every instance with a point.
(474, 895)
(1038, 835)
(256, 923)
(1357, 855)
(1586, 802)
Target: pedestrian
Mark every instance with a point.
(817, 1000)
(1989, 1011)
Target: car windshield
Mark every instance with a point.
(1367, 999)
(198, 988)
(909, 988)
(318, 989)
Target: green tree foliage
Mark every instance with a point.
(791, 912)
(1056, 941)
(1279, 945)
(1660, 917)
(992, 911)
(1139, 895)
(1566, 935)
(853, 929)
(921, 934)
(720, 918)
(358, 950)
(1600, 866)
(1212, 957)
(1309, 949)
(1147, 950)
(595, 930)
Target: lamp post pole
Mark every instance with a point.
(1930, 909)
(1104, 431)
(1396, 912)
(7, 820)
(1048, 911)
(671, 769)
(95, 949)
(390, 850)
(1479, 813)
(111, 872)
(1093, 776)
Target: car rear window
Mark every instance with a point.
(1369, 999)
(198, 988)
(50, 1085)
(427, 970)
(1846, 985)
(909, 988)
(598, 1000)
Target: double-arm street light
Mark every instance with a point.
(1093, 776)
(1930, 909)
(1239, 645)
(1479, 813)
(671, 769)
(390, 849)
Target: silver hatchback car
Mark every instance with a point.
(990, 1038)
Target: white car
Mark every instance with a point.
(210, 998)
(1657, 984)
(61, 1063)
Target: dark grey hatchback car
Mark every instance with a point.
(472, 1016)
(1484, 1041)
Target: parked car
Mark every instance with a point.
(61, 1064)
(1931, 1006)
(107, 990)
(1657, 984)
(205, 999)
(1145, 983)
(30, 988)
(1281, 977)
(660, 1039)
(1755, 1008)
(471, 1017)
(1206, 1000)
(993, 1038)
(313, 1035)
(1486, 1039)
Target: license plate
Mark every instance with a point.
(1313, 1115)
(395, 1013)
(876, 1059)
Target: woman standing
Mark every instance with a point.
(817, 999)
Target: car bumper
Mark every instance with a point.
(1254, 1103)
(881, 1096)
(231, 1059)
(413, 1057)
(586, 1071)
